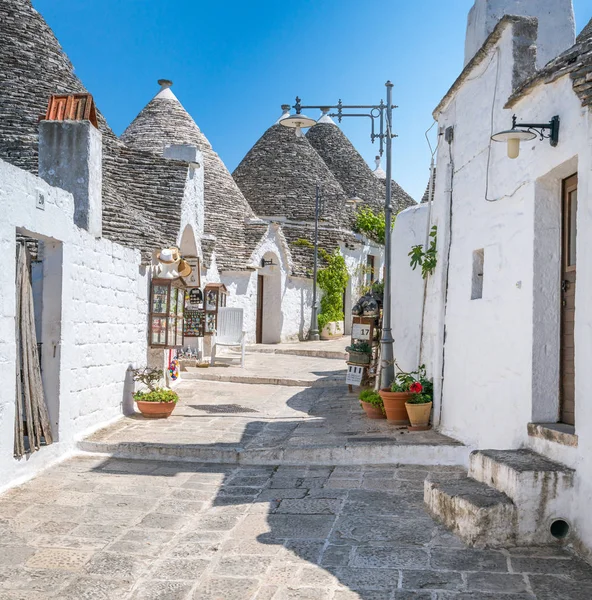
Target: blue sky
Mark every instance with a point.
(234, 63)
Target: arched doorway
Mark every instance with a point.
(269, 301)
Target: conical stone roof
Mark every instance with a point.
(278, 177)
(164, 121)
(350, 169)
(32, 68)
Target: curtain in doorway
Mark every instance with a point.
(31, 425)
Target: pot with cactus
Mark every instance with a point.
(156, 402)
(372, 404)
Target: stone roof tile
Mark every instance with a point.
(164, 121)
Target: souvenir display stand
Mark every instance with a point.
(167, 303)
(365, 329)
(215, 295)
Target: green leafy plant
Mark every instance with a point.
(332, 280)
(372, 397)
(426, 259)
(371, 224)
(416, 382)
(157, 395)
(360, 347)
(303, 243)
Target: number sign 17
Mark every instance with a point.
(361, 331)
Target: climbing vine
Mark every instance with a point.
(371, 224)
(426, 259)
(332, 279)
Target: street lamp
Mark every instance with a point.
(313, 333)
(383, 115)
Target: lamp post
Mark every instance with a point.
(382, 114)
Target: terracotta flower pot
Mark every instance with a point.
(156, 410)
(372, 412)
(394, 405)
(419, 414)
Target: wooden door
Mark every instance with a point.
(568, 292)
(259, 328)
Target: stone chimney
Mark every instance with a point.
(556, 31)
(70, 157)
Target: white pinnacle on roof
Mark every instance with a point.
(379, 171)
(325, 118)
(285, 113)
(165, 91)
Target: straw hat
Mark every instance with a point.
(184, 268)
(168, 255)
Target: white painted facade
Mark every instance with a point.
(498, 369)
(93, 320)
(407, 295)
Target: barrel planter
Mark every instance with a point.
(359, 358)
(394, 406)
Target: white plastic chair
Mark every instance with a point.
(229, 332)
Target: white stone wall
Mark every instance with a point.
(407, 286)
(101, 330)
(556, 24)
(501, 353)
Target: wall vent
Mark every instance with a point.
(477, 278)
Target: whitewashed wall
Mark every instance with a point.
(501, 352)
(407, 286)
(103, 320)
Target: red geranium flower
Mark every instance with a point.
(416, 387)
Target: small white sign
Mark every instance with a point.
(354, 375)
(360, 331)
(40, 203)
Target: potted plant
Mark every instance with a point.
(395, 398)
(419, 406)
(359, 353)
(372, 404)
(157, 402)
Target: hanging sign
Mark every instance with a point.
(354, 375)
(360, 331)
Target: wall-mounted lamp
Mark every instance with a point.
(524, 132)
(267, 263)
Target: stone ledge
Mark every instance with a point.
(554, 432)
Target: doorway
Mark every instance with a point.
(568, 290)
(259, 327)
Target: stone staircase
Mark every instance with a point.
(509, 498)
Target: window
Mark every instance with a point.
(477, 279)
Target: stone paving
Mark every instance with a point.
(228, 422)
(96, 528)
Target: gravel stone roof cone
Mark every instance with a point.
(350, 169)
(278, 176)
(164, 121)
(33, 66)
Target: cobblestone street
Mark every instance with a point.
(246, 525)
(95, 528)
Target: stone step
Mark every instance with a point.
(480, 515)
(353, 453)
(197, 373)
(314, 353)
(539, 487)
